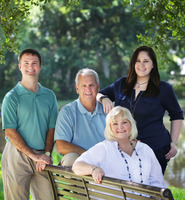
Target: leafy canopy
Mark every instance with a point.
(164, 20)
(13, 14)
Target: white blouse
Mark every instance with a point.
(107, 156)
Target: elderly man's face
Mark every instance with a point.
(87, 88)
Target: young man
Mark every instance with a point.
(29, 113)
(80, 124)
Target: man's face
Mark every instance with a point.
(29, 66)
(87, 88)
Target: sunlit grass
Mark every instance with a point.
(1, 183)
(178, 194)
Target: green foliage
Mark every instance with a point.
(13, 14)
(179, 90)
(1, 182)
(164, 21)
(99, 34)
(87, 35)
(179, 194)
(56, 157)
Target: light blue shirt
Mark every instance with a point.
(31, 114)
(78, 126)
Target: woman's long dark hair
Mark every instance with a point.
(154, 81)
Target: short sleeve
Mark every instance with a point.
(64, 128)
(9, 111)
(170, 102)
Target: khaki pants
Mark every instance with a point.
(20, 177)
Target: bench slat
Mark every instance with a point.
(73, 195)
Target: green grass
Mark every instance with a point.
(1, 183)
(178, 194)
(56, 157)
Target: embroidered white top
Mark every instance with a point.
(107, 156)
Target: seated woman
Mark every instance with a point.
(121, 155)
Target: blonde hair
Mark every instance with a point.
(125, 114)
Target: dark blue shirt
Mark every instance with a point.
(148, 111)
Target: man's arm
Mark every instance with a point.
(64, 131)
(50, 140)
(64, 147)
(48, 148)
(20, 144)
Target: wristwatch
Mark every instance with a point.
(175, 142)
(48, 153)
(103, 97)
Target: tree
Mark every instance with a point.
(13, 14)
(86, 35)
(164, 20)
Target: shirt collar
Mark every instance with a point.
(82, 109)
(22, 90)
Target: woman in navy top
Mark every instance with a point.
(147, 98)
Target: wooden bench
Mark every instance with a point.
(66, 185)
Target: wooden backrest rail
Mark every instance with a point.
(66, 185)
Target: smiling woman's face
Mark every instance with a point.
(120, 127)
(143, 65)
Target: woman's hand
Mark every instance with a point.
(107, 105)
(172, 152)
(97, 174)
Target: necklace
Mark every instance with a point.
(133, 106)
(139, 84)
(127, 164)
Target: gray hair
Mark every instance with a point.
(125, 114)
(86, 71)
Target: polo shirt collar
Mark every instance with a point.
(82, 109)
(22, 90)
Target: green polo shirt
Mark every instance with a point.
(31, 114)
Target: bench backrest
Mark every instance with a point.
(66, 185)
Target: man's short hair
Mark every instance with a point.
(125, 114)
(30, 51)
(86, 71)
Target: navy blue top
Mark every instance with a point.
(148, 111)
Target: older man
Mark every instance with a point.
(80, 124)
